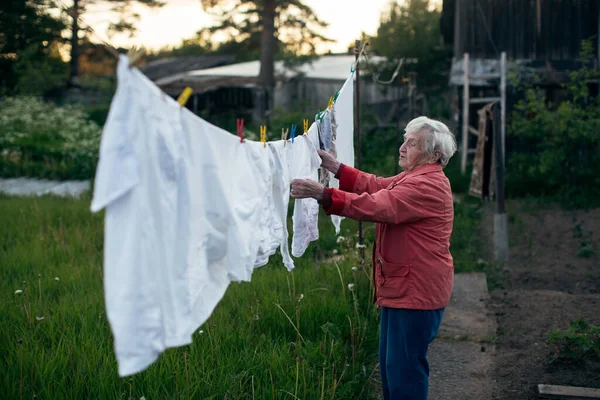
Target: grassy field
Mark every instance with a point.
(308, 334)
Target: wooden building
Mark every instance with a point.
(539, 40)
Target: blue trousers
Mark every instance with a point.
(404, 339)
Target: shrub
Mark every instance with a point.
(580, 341)
(47, 141)
(558, 144)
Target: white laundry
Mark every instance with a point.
(305, 164)
(188, 210)
(183, 199)
(281, 199)
(344, 142)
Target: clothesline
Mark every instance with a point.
(188, 212)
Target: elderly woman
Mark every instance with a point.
(413, 272)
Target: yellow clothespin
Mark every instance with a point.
(263, 134)
(284, 133)
(184, 96)
(135, 55)
(305, 126)
(330, 103)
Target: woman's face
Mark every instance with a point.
(412, 152)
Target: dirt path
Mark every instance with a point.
(40, 187)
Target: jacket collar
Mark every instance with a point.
(425, 169)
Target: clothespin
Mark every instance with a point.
(336, 96)
(240, 129)
(293, 134)
(284, 133)
(305, 126)
(263, 134)
(134, 54)
(330, 103)
(184, 96)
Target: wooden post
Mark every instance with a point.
(503, 103)
(465, 116)
(357, 49)
(500, 221)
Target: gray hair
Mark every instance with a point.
(438, 137)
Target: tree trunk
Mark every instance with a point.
(74, 63)
(267, 59)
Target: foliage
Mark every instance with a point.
(29, 38)
(411, 29)
(98, 114)
(557, 145)
(296, 27)
(580, 341)
(38, 74)
(52, 252)
(43, 140)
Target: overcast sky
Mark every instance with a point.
(181, 19)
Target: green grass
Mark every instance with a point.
(247, 349)
(264, 341)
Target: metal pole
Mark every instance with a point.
(503, 105)
(500, 222)
(357, 49)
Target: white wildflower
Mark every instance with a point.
(334, 252)
(361, 246)
(340, 239)
(351, 286)
(354, 268)
(18, 291)
(56, 278)
(301, 297)
(201, 332)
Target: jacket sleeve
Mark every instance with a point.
(404, 203)
(354, 181)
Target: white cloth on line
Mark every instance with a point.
(183, 199)
(344, 143)
(188, 209)
(305, 165)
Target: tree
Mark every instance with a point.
(123, 9)
(412, 30)
(268, 29)
(29, 36)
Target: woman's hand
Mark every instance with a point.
(329, 162)
(306, 189)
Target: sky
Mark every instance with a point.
(181, 19)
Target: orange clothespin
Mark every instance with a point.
(305, 126)
(263, 134)
(240, 129)
(284, 133)
(184, 96)
(330, 103)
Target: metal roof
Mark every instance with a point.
(330, 67)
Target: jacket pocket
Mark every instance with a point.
(393, 280)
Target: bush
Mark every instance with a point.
(46, 141)
(558, 144)
(98, 114)
(575, 344)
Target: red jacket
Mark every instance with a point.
(413, 267)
